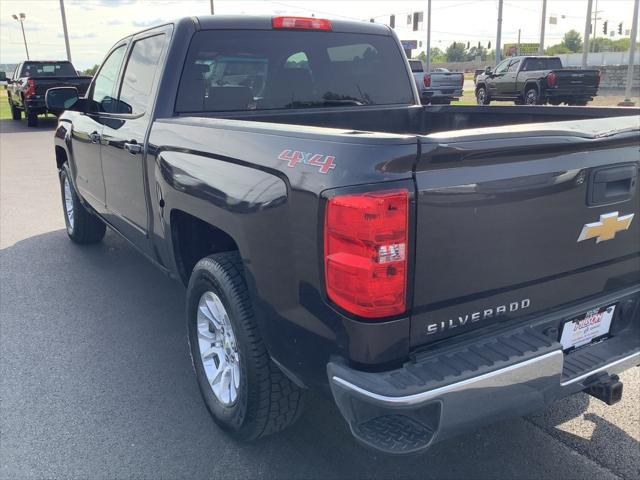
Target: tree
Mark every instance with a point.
(91, 71)
(572, 41)
(456, 52)
(556, 49)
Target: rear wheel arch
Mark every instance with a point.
(194, 239)
(61, 157)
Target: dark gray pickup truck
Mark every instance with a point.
(31, 80)
(536, 81)
(432, 268)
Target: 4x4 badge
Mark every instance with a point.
(606, 228)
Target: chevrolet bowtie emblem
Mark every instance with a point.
(606, 228)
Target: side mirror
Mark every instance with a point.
(60, 99)
(487, 71)
(3, 77)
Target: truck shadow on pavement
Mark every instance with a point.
(97, 382)
(14, 126)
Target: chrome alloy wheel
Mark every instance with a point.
(68, 202)
(218, 349)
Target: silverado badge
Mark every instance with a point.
(606, 228)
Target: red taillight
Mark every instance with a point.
(598, 78)
(31, 88)
(552, 79)
(427, 80)
(365, 252)
(301, 23)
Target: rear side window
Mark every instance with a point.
(139, 75)
(533, 64)
(48, 69)
(261, 70)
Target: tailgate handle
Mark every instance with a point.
(612, 184)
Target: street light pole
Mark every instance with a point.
(428, 66)
(21, 20)
(499, 33)
(64, 29)
(211, 4)
(587, 31)
(632, 51)
(542, 27)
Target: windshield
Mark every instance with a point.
(260, 70)
(48, 69)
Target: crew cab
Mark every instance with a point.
(536, 81)
(432, 269)
(30, 81)
(439, 86)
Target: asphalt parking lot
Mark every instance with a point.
(96, 381)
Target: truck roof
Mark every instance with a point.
(263, 22)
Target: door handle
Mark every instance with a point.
(95, 137)
(133, 147)
(612, 184)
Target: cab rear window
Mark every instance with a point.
(261, 70)
(47, 69)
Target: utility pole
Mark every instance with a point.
(543, 23)
(211, 4)
(595, 26)
(518, 46)
(428, 66)
(64, 29)
(499, 33)
(587, 30)
(632, 50)
(21, 19)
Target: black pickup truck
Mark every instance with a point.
(433, 268)
(536, 81)
(30, 81)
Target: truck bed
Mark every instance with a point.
(426, 120)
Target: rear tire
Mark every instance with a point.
(16, 114)
(82, 226)
(32, 118)
(261, 400)
(482, 96)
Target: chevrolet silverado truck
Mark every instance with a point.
(27, 87)
(438, 87)
(430, 268)
(536, 81)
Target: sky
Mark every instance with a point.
(95, 25)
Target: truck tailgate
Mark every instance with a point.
(444, 79)
(515, 221)
(45, 83)
(574, 78)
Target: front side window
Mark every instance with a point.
(259, 70)
(502, 66)
(104, 87)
